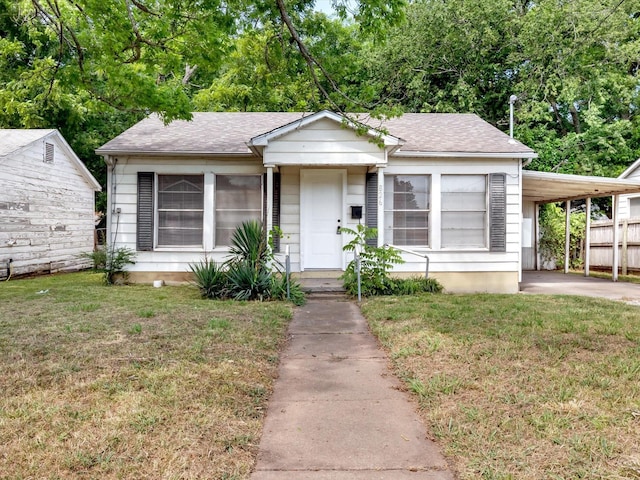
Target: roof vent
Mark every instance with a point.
(49, 152)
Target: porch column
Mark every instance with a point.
(536, 227)
(587, 238)
(269, 212)
(380, 206)
(567, 236)
(616, 238)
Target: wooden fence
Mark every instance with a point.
(601, 252)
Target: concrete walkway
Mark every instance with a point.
(337, 412)
(559, 283)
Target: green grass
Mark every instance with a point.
(521, 387)
(131, 381)
(631, 278)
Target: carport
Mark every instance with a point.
(545, 187)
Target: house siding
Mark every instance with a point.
(323, 143)
(46, 212)
(123, 189)
(459, 261)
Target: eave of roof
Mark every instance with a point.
(546, 187)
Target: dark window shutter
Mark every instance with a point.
(275, 217)
(498, 212)
(144, 235)
(371, 207)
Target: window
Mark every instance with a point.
(238, 199)
(406, 214)
(180, 210)
(464, 211)
(634, 207)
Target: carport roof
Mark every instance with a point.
(546, 187)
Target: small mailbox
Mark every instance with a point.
(356, 212)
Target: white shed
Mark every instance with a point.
(47, 204)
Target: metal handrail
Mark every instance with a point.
(406, 250)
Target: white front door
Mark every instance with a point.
(321, 213)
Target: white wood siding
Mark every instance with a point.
(124, 185)
(177, 260)
(46, 212)
(323, 143)
(449, 260)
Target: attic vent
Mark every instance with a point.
(48, 152)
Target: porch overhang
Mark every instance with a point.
(546, 187)
(348, 143)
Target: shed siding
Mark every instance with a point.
(46, 212)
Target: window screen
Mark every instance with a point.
(406, 214)
(464, 211)
(180, 210)
(238, 199)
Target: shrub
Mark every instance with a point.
(251, 274)
(111, 262)
(552, 235)
(411, 286)
(279, 289)
(375, 264)
(210, 279)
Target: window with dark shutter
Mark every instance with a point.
(498, 212)
(371, 205)
(144, 234)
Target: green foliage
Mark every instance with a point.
(111, 262)
(279, 289)
(210, 279)
(375, 264)
(252, 273)
(552, 235)
(414, 285)
(573, 65)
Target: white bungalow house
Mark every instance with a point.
(449, 186)
(47, 205)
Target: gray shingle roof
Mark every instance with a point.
(12, 139)
(230, 132)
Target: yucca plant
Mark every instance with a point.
(246, 282)
(210, 278)
(249, 244)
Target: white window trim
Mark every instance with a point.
(156, 216)
(429, 210)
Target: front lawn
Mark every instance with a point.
(521, 386)
(131, 382)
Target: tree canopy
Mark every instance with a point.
(91, 68)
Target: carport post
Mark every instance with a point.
(567, 236)
(616, 238)
(587, 238)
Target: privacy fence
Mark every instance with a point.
(601, 253)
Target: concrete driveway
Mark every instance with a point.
(558, 283)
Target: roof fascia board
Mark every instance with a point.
(75, 159)
(579, 178)
(404, 153)
(115, 153)
(628, 171)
